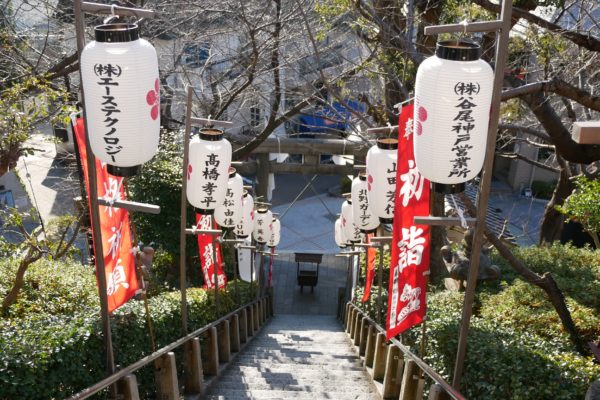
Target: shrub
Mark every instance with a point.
(517, 348)
(51, 344)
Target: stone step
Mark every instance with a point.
(230, 394)
(295, 357)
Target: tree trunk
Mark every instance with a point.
(13, 293)
(552, 222)
(545, 282)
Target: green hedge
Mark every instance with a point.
(517, 348)
(51, 345)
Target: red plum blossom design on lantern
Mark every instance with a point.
(189, 172)
(152, 98)
(422, 117)
(369, 182)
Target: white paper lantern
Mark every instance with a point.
(275, 233)
(381, 178)
(228, 213)
(363, 217)
(119, 73)
(208, 170)
(262, 225)
(244, 228)
(453, 94)
(340, 240)
(351, 231)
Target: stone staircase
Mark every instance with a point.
(296, 357)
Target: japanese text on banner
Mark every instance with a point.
(410, 245)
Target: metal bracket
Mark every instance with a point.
(385, 239)
(487, 26)
(95, 8)
(443, 221)
(192, 231)
(130, 205)
(210, 122)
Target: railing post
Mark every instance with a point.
(352, 321)
(347, 317)
(393, 373)
(256, 317)
(380, 357)
(410, 381)
(166, 376)
(244, 326)
(212, 352)
(266, 309)
(362, 344)
(437, 392)
(356, 336)
(370, 348)
(261, 311)
(250, 320)
(224, 342)
(127, 387)
(234, 333)
(194, 379)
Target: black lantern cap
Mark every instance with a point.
(387, 143)
(204, 211)
(232, 172)
(124, 172)
(362, 175)
(386, 220)
(458, 50)
(368, 231)
(444, 188)
(116, 33)
(262, 210)
(211, 134)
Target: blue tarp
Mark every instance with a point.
(330, 117)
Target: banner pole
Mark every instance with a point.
(94, 214)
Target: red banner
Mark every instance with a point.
(205, 247)
(371, 253)
(410, 250)
(119, 261)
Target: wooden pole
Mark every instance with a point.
(94, 214)
(183, 216)
(380, 283)
(215, 275)
(503, 26)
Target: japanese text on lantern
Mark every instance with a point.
(228, 203)
(466, 91)
(390, 194)
(363, 204)
(211, 174)
(109, 74)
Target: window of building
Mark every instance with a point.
(255, 116)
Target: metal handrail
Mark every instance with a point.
(98, 386)
(422, 364)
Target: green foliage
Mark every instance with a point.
(517, 348)
(51, 343)
(583, 205)
(23, 106)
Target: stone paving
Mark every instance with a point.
(322, 300)
(299, 357)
